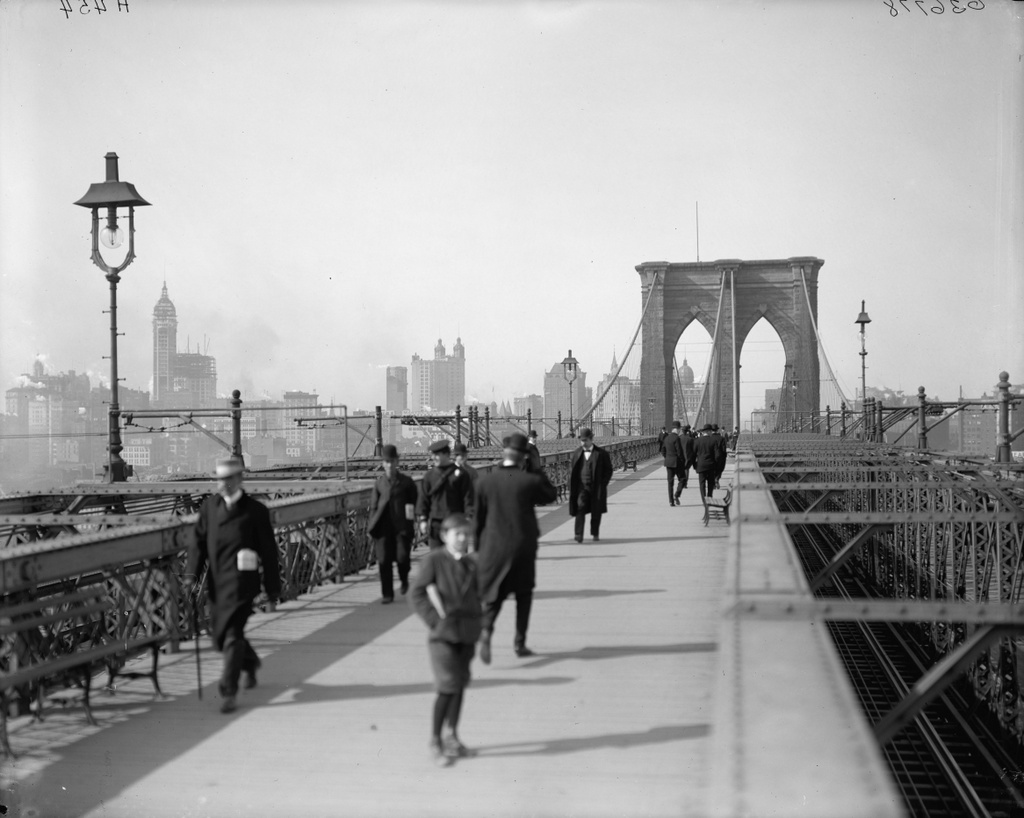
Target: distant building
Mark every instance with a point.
(182, 380)
(534, 404)
(301, 440)
(165, 345)
(621, 402)
(397, 389)
(438, 385)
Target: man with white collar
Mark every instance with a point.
(589, 476)
(506, 536)
(235, 537)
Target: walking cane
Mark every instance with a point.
(195, 636)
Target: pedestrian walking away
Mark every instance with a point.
(390, 525)
(722, 452)
(445, 594)
(234, 536)
(507, 537)
(589, 476)
(532, 461)
(444, 490)
(675, 457)
(706, 449)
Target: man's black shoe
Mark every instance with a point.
(579, 539)
(596, 538)
(387, 600)
(405, 587)
(485, 649)
(249, 679)
(522, 651)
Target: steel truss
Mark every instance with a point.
(942, 546)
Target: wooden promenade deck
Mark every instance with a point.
(611, 717)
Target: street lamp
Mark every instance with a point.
(112, 194)
(570, 370)
(863, 319)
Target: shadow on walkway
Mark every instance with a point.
(593, 593)
(622, 741)
(620, 651)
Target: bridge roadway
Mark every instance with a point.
(629, 707)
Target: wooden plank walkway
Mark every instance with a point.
(611, 717)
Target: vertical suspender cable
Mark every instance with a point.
(817, 338)
(735, 354)
(711, 358)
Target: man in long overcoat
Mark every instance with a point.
(392, 508)
(589, 476)
(675, 457)
(442, 492)
(235, 537)
(507, 540)
(706, 459)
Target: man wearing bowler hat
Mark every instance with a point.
(444, 490)
(532, 461)
(506, 537)
(706, 459)
(589, 476)
(392, 511)
(235, 537)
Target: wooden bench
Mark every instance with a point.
(715, 509)
(64, 647)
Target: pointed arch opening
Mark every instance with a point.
(691, 364)
(762, 362)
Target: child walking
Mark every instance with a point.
(444, 594)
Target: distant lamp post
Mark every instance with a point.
(863, 320)
(111, 195)
(570, 371)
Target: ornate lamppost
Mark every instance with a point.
(111, 195)
(863, 320)
(570, 371)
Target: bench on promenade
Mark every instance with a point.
(629, 464)
(715, 509)
(64, 646)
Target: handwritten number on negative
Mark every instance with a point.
(65, 6)
(100, 6)
(892, 8)
(958, 6)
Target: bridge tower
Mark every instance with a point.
(782, 291)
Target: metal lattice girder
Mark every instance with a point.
(938, 678)
(788, 606)
(847, 551)
(890, 517)
(865, 485)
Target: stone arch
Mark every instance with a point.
(682, 293)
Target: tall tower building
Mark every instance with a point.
(438, 384)
(165, 345)
(397, 389)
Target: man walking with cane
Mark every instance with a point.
(235, 537)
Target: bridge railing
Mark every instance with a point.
(935, 543)
(132, 564)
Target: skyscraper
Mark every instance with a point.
(439, 384)
(397, 389)
(165, 346)
(556, 398)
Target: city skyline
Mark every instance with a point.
(320, 212)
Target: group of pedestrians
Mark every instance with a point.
(483, 535)
(705, 451)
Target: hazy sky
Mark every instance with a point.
(336, 184)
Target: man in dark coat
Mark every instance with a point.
(506, 537)
(461, 455)
(689, 454)
(723, 451)
(442, 492)
(392, 509)
(705, 463)
(672, 449)
(589, 476)
(532, 461)
(235, 537)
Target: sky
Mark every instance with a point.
(335, 185)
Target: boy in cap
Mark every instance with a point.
(235, 537)
(392, 510)
(444, 490)
(461, 454)
(446, 597)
